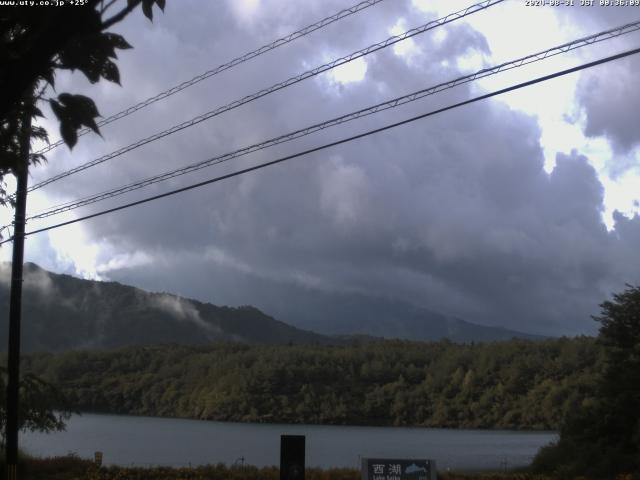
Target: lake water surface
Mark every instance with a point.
(144, 441)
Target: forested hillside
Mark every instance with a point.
(61, 312)
(516, 384)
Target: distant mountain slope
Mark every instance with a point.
(357, 314)
(61, 312)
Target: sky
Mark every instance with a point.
(521, 211)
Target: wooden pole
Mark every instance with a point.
(15, 305)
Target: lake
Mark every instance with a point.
(146, 441)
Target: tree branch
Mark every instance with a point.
(106, 7)
(38, 96)
(121, 14)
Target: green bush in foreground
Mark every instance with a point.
(601, 439)
(73, 468)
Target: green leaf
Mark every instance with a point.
(110, 72)
(49, 76)
(74, 111)
(79, 103)
(86, 55)
(58, 110)
(160, 4)
(37, 158)
(69, 133)
(9, 160)
(147, 8)
(117, 41)
(90, 53)
(39, 133)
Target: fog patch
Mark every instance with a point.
(5, 274)
(33, 278)
(182, 310)
(124, 260)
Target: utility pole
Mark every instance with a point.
(15, 305)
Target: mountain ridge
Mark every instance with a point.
(63, 312)
(94, 314)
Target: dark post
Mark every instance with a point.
(15, 305)
(292, 457)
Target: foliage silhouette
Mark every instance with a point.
(602, 439)
(37, 398)
(37, 42)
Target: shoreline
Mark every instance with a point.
(311, 424)
(130, 440)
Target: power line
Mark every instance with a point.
(225, 66)
(278, 86)
(339, 142)
(396, 102)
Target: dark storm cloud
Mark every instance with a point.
(609, 100)
(455, 213)
(608, 95)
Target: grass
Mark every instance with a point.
(72, 467)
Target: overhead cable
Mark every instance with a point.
(338, 142)
(225, 66)
(389, 104)
(274, 88)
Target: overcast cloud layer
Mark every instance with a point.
(455, 213)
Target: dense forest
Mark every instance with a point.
(517, 384)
